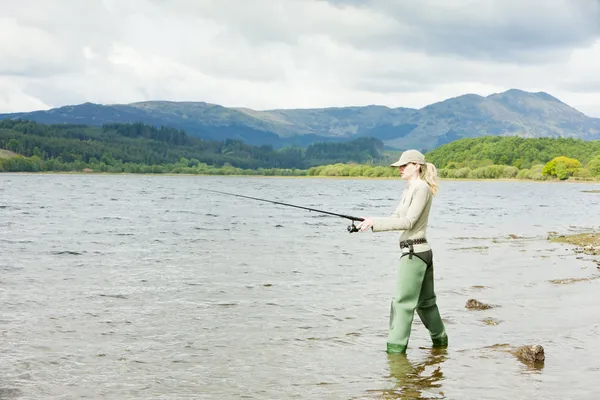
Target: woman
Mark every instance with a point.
(414, 285)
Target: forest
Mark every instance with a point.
(123, 147)
(140, 148)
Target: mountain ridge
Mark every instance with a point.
(510, 113)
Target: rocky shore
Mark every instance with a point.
(587, 243)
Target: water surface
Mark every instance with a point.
(148, 287)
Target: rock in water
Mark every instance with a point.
(473, 304)
(530, 354)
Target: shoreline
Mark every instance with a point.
(567, 181)
(587, 243)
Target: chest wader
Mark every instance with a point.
(414, 291)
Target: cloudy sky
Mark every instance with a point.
(296, 53)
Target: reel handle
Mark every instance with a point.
(352, 228)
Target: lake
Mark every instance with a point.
(149, 287)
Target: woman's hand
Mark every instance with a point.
(366, 224)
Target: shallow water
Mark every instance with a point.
(130, 287)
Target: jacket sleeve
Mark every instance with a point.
(395, 222)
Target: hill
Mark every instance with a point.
(518, 152)
(7, 153)
(511, 113)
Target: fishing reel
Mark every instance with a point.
(352, 228)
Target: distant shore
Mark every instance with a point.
(566, 181)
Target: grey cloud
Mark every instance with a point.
(530, 31)
(348, 3)
(582, 86)
(258, 51)
(281, 21)
(49, 39)
(379, 84)
(257, 21)
(53, 93)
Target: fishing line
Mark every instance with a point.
(351, 228)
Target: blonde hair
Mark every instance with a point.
(429, 174)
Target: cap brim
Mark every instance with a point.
(397, 164)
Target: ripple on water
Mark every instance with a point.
(227, 306)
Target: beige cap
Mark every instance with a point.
(409, 156)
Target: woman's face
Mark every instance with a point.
(408, 171)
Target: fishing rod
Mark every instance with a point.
(351, 228)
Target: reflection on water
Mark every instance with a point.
(148, 287)
(415, 379)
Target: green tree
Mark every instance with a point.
(14, 145)
(594, 167)
(561, 167)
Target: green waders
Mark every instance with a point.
(414, 291)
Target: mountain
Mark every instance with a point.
(510, 113)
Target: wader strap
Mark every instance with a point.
(412, 253)
(409, 244)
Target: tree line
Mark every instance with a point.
(104, 148)
(497, 158)
(522, 153)
(140, 148)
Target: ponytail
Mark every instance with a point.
(430, 175)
